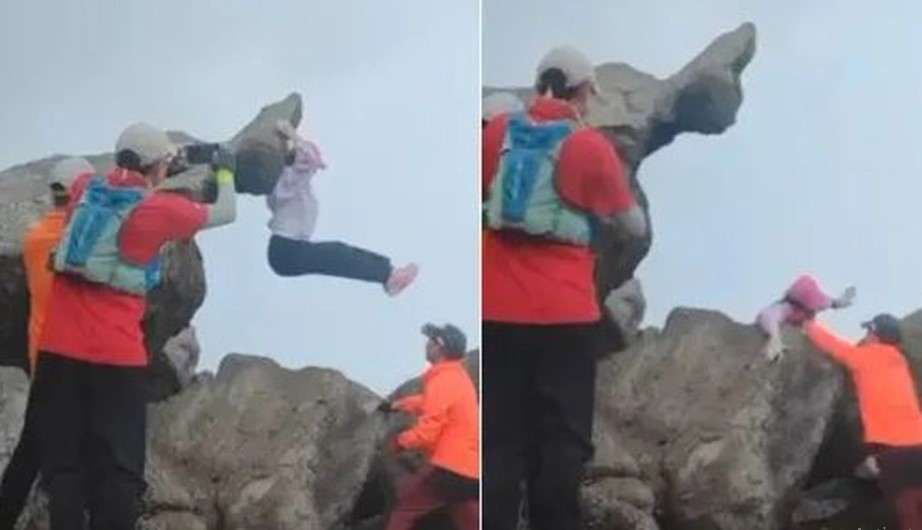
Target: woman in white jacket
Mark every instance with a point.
(294, 215)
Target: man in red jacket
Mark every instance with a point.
(549, 182)
(90, 407)
(448, 431)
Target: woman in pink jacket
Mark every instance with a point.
(292, 252)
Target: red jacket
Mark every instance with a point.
(532, 281)
(448, 429)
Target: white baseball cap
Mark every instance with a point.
(148, 142)
(67, 170)
(500, 103)
(576, 67)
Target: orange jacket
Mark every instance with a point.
(40, 241)
(886, 391)
(448, 428)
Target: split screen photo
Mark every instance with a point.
(435, 265)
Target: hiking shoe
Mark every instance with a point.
(401, 278)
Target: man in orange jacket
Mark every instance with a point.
(447, 431)
(890, 412)
(40, 240)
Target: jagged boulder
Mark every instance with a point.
(640, 114)
(260, 446)
(183, 352)
(725, 439)
(24, 199)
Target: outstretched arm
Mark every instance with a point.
(839, 348)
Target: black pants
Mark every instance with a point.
(289, 257)
(21, 471)
(91, 420)
(538, 399)
(455, 487)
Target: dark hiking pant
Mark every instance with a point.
(901, 482)
(289, 257)
(91, 420)
(431, 489)
(21, 471)
(538, 397)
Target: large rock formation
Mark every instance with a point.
(725, 439)
(640, 114)
(24, 199)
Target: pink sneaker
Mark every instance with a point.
(401, 278)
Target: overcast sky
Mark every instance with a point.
(822, 173)
(390, 92)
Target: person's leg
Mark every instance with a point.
(563, 401)
(117, 418)
(900, 484)
(59, 423)
(418, 498)
(908, 509)
(505, 406)
(461, 494)
(296, 258)
(466, 515)
(21, 471)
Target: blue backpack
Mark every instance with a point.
(523, 197)
(89, 245)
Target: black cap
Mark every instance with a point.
(886, 327)
(450, 337)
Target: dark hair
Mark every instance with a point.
(483, 124)
(128, 159)
(555, 80)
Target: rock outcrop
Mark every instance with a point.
(24, 198)
(726, 439)
(640, 114)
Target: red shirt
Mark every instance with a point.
(532, 281)
(99, 325)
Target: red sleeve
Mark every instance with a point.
(182, 216)
(592, 176)
(492, 143)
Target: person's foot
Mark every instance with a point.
(401, 278)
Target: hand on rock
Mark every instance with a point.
(845, 299)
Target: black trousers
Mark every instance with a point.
(538, 400)
(21, 471)
(289, 257)
(91, 421)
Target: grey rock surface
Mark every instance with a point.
(725, 439)
(183, 352)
